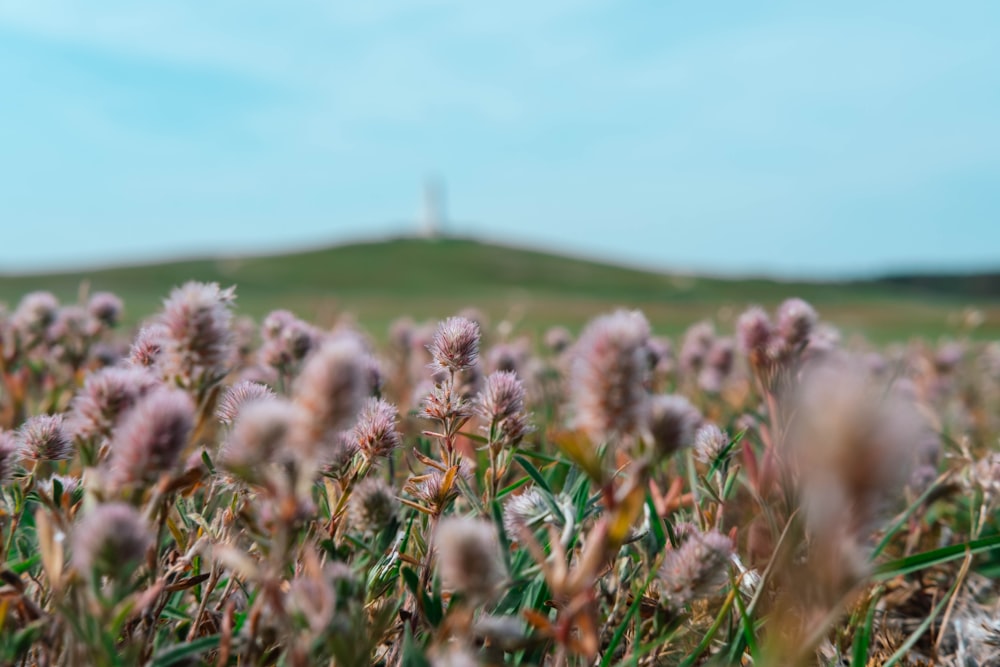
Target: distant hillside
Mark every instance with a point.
(977, 285)
(376, 282)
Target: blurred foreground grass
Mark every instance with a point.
(430, 278)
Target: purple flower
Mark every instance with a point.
(373, 505)
(148, 345)
(375, 431)
(608, 375)
(198, 317)
(287, 339)
(151, 437)
(755, 335)
(105, 396)
(43, 438)
(112, 539)
(468, 553)
(456, 344)
(501, 404)
(796, 320)
(673, 421)
(696, 569)
(695, 347)
(333, 384)
(34, 314)
(709, 443)
(266, 430)
(10, 456)
(239, 396)
(105, 308)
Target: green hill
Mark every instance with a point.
(376, 282)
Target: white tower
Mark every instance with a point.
(433, 214)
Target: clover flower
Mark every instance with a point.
(608, 375)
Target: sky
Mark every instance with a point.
(784, 138)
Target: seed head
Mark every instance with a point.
(10, 456)
(709, 442)
(332, 385)
(198, 317)
(375, 431)
(43, 438)
(755, 335)
(239, 396)
(851, 447)
(796, 320)
(373, 505)
(266, 430)
(69, 334)
(112, 539)
(558, 339)
(501, 404)
(661, 355)
(948, 356)
(695, 347)
(34, 314)
(337, 455)
(468, 554)
(508, 357)
(608, 375)
(287, 339)
(442, 404)
(148, 345)
(431, 491)
(105, 308)
(524, 511)
(718, 365)
(696, 569)
(311, 596)
(68, 483)
(105, 396)
(456, 344)
(151, 437)
(673, 422)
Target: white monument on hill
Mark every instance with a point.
(433, 215)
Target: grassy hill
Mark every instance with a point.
(376, 282)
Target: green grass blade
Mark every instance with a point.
(859, 656)
(935, 557)
(181, 652)
(533, 472)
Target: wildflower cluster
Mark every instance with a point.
(755, 491)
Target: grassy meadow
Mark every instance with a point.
(814, 480)
(431, 278)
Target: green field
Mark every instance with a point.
(430, 278)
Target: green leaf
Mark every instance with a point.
(207, 460)
(746, 620)
(474, 437)
(412, 580)
(533, 472)
(501, 533)
(512, 487)
(413, 656)
(935, 557)
(904, 517)
(180, 652)
(863, 637)
(23, 566)
(433, 607)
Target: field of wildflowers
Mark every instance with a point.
(217, 491)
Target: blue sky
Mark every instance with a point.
(785, 138)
